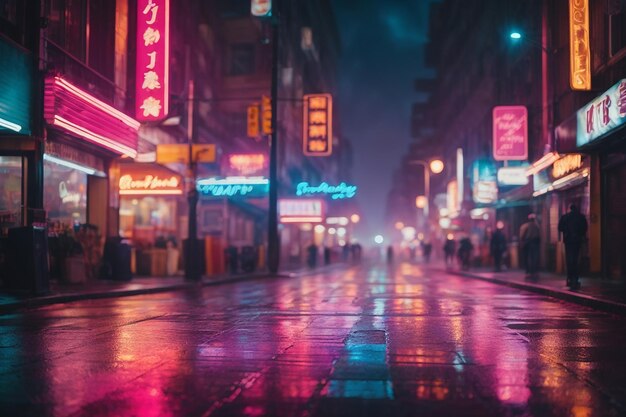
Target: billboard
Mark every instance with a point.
(318, 126)
(510, 133)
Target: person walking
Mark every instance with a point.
(497, 247)
(529, 236)
(448, 249)
(573, 225)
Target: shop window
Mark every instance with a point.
(65, 195)
(241, 59)
(10, 193)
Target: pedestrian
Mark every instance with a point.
(529, 236)
(427, 248)
(312, 255)
(389, 254)
(465, 252)
(573, 225)
(497, 246)
(326, 255)
(449, 249)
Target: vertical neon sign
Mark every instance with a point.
(152, 82)
(580, 56)
(318, 125)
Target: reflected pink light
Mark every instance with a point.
(94, 137)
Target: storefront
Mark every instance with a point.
(600, 133)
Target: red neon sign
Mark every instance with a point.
(318, 125)
(152, 82)
(247, 164)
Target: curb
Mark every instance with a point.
(572, 297)
(28, 303)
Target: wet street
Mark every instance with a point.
(373, 341)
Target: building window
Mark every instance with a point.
(241, 59)
(617, 27)
(67, 26)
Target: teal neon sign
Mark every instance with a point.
(336, 192)
(233, 187)
(15, 90)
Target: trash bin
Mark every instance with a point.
(27, 260)
(248, 259)
(116, 260)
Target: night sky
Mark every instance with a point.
(382, 54)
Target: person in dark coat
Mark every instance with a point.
(497, 247)
(529, 237)
(390, 254)
(573, 225)
(448, 249)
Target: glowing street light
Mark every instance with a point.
(515, 35)
(436, 166)
(399, 225)
(421, 201)
(355, 218)
(379, 239)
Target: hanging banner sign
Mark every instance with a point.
(580, 56)
(168, 153)
(336, 192)
(152, 67)
(318, 126)
(604, 114)
(510, 133)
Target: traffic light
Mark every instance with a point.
(253, 120)
(266, 115)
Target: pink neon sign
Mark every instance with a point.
(152, 82)
(73, 110)
(510, 133)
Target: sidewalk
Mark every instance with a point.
(63, 293)
(601, 294)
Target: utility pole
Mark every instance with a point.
(192, 267)
(273, 249)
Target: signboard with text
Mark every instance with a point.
(318, 131)
(233, 187)
(580, 55)
(602, 115)
(152, 67)
(510, 133)
(169, 153)
(295, 210)
(149, 179)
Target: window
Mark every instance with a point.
(67, 26)
(241, 59)
(617, 27)
(10, 193)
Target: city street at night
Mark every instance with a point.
(364, 341)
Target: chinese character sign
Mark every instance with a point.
(510, 133)
(602, 115)
(152, 93)
(580, 56)
(318, 132)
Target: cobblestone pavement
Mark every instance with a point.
(362, 341)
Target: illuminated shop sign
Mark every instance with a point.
(247, 164)
(580, 56)
(510, 133)
(336, 192)
(602, 115)
(152, 82)
(261, 8)
(484, 182)
(318, 126)
(292, 210)
(512, 176)
(566, 164)
(233, 187)
(149, 179)
(453, 204)
(15, 89)
(72, 110)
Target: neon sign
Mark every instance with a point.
(580, 56)
(249, 187)
(510, 133)
(152, 82)
(604, 114)
(246, 164)
(567, 164)
(261, 8)
(336, 192)
(318, 125)
(73, 110)
(150, 184)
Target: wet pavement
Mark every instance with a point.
(362, 341)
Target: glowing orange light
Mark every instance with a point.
(436, 166)
(355, 218)
(580, 54)
(317, 127)
(420, 201)
(399, 225)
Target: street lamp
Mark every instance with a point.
(435, 166)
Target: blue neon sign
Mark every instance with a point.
(335, 192)
(233, 187)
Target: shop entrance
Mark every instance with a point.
(615, 222)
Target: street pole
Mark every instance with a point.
(273, 250)
(192, 269)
